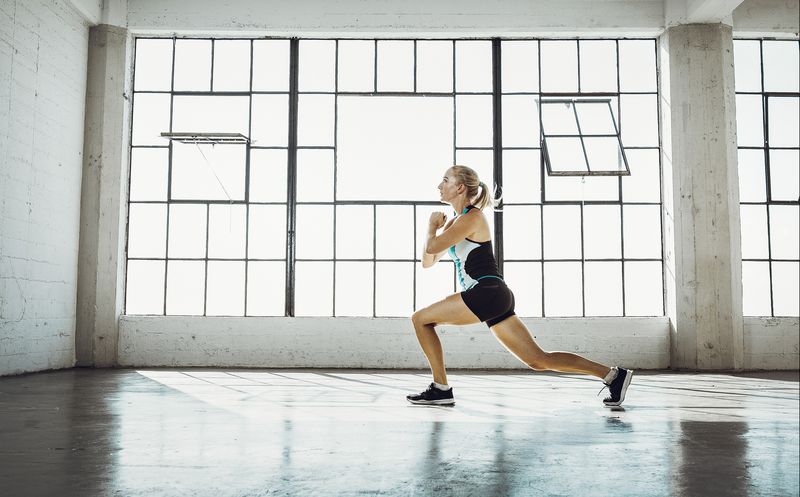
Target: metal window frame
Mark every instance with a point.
(292, 148)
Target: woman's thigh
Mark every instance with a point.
(514, 335)
(451, 310)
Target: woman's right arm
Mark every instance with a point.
(429, 260)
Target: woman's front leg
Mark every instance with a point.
(451, 310)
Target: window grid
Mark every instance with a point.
(766, 148)
(497, 148)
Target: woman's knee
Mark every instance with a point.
(540, 362)
(419, 318)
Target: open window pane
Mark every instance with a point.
(520, 65)
(784, 166)
(601, 232)
(317, 65)
(754, 232)
(559, 66)
(747, 65)
(522, 181)
(784, 231)
(522, 235)
(596, 118)
(267, 235)
(434, 283)
(642, 231)
(755, 287)
(562, 232)
(520, 121)
(784, 121)
(150, 118)
(786, 288)
(637, 65)
(603, 288)
(474, 121)
(395, 232)
(356, 65)
(565, 155)
(314, 175)
(644, 289)
(752, 176)
(268, 175)
(558, 118)
(354, 288)
(266, 288)
(187, 231)
(144, 292)
(192, 65)
(186, 287)
(474, 66)
(208, 172)
(214, 114)
(270, 65)
(270, 121)
(227, 225)
(394, 289)
(314, 288)
(149, 170)
(599, 65)
(354, 233)
(231, 65)
(315, 120)
(562, 289)
(314, 232)
(434, 66)
(525, 278)
(781, 66)
(153, 68)
(147, 230)
(412, 152)
(395, 65)
(604, 154)
(225, 288)
(749, 121)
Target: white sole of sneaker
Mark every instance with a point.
(622, 392)
(442, 402)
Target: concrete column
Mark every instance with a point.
(104, 185)
(701, 198)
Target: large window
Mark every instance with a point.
(768, 134)
(323, 211)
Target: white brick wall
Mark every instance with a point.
(43, 57)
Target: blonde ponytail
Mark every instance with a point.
(477, 191)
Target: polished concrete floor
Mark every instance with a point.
(201, 432)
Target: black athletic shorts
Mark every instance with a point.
(491, 300)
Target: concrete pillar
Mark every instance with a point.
(104, 185)
(701, 198)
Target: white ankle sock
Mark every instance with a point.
(440, 386)
(610, 376)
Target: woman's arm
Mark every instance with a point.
(461, 228)
(429, 260)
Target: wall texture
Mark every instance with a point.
(43, 57)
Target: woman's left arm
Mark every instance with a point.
(463, 227)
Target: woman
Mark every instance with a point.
(485, 297)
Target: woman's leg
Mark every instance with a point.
(451, 310)
(514, 335)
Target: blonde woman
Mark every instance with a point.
(485, 296)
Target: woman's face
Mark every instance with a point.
(448, 188)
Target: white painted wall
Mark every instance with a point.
(43, 56)
(759, 17)
(771, 343)
(641, 343)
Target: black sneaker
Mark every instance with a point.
(433, 396)
(617, 387)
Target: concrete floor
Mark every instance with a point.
(203, 432)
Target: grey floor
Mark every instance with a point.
(204, 432)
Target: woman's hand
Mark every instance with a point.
(437, 220)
